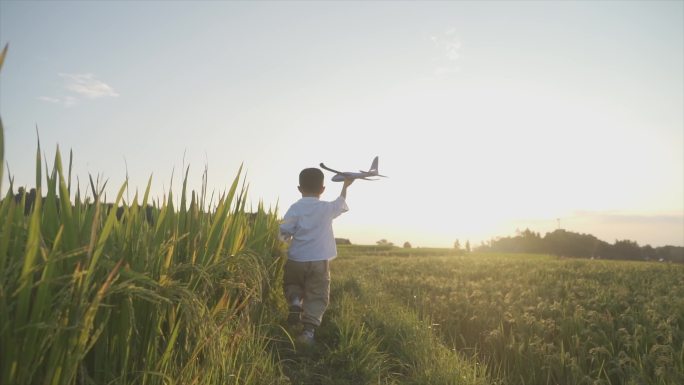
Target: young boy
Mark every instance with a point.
(308, 223)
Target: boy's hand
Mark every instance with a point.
(346, 183)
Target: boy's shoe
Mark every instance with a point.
(294, 317)
(306, 338)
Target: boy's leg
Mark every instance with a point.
(293, 286)
(316, 293)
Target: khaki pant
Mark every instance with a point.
(308, 282)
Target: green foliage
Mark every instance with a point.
(91, 297)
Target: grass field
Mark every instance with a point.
(369, 336)
(532, 319)
(193, 296)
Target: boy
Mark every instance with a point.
(308, 223)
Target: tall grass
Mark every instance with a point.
(90, 298)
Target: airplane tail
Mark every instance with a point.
(374, 167)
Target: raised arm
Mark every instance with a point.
(347, 183)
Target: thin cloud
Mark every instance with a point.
(81, 86)
(448, 47)
(88, 86)
(49, 99)
(66, 101)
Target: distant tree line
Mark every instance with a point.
(28, 199)
(569, 244)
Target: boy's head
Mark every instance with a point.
(311, 182)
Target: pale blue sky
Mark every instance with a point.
(487, 116)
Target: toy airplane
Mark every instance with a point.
(341, 176)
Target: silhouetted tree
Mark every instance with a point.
(384, 242)
(625, 249)
(648, 253)
(566, 243)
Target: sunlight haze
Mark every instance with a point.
(488, 117)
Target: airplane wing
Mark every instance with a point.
(330, 169)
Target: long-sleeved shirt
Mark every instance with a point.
(309, 222)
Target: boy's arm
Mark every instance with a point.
(347, 183)
(339, 205)
(288, 226)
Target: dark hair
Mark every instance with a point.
(311, 180)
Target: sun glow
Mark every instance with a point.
(486, 119)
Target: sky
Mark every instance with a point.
(488, 117)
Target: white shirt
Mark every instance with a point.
(309, 222)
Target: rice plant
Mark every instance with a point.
(135, 292)
(534, 319)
